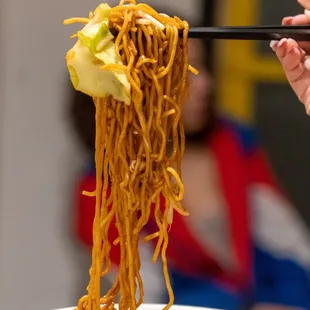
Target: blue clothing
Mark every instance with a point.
(280, 281)
(277, 280)
(204, 293)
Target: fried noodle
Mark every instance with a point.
(133, 157)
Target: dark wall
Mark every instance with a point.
(285, 133)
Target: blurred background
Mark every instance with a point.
(42, 264)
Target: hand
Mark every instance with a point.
(295, 58)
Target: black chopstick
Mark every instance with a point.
(298, 33)
(262, 33)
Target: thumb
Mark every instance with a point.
(290, 56)
(292, 63)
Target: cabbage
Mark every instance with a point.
(96, 33)
(95, 48)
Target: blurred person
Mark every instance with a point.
(243, 244)
(294, 57)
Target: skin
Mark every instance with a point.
(295, 57)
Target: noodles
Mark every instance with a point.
(133, 156)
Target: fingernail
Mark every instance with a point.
(288, 19)
(281, 42)
(273, 43)
(292, 45)
(292, 48)
(307, 63)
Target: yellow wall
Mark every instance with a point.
(239, 66)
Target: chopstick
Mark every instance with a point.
(262, 33)
(298, 33)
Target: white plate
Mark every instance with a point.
(160, 307)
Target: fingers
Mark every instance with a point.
(302, 19)
(284, 47)
(287, 21)
(292, 64)
(295, 65)
(291, 58)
